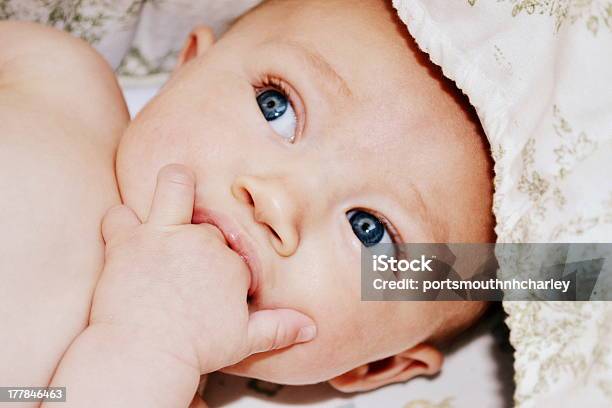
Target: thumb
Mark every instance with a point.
(278, 328)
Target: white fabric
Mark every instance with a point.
(538, 73)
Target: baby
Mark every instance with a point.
(309, 132)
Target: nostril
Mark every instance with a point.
(243, 195)
(275, 234)
(248, 197)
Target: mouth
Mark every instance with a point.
(237, 240)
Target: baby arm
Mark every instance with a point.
(61, 117)
(170, 305)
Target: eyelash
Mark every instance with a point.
(267, 82)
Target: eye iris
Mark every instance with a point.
(367, 228)
(273, 104)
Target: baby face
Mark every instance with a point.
(313, 132)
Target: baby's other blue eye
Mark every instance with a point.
(368, 228)
(279, 112)
(273, 104)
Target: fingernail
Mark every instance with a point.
(306, 334)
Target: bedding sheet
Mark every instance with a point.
(538, 73)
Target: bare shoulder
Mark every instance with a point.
(44, 62)
(61, 117)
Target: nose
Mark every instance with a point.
(274, 206)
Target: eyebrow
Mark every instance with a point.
(319, 64)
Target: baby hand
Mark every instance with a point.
(178, 289)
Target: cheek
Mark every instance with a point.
(332, 353)
(325, 286)
(168, 132)
(148, 144)
(322, 280)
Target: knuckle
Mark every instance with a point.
(211, 232)
(114, 211)
(179, 241)
(177, 174)
(190, 240)
(273, 340)
(201, 239)
(267, 343)
(127, 239)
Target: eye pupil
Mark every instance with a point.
(367, 227)
(273, 104)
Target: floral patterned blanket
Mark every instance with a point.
(137, 37)
(538, 73)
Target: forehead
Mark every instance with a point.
(367, 41)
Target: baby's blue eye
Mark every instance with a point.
(278, 111)
(368, 228)
(273, 104)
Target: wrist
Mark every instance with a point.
(132, 340)
(109, 366)
(159, 334)
(148, 365)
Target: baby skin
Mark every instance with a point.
(305, 133)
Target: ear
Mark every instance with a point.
(199, 41)
(422, 359)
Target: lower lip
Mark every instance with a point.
(233, 239)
